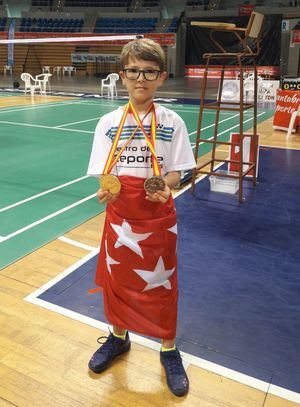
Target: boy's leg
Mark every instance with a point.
(168, 344)
(171, 360)
(119, 332)
(116, 343)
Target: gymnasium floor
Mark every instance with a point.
(45, 190)
(238, 258)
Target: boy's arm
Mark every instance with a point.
(172, 178)
(100, 150)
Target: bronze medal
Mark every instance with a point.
(154, 184)
(111, 183)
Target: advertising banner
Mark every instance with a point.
(287, 102)
(266, 90)
(197, 71)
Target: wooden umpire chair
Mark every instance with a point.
(249, 43)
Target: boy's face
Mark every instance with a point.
(139, 88)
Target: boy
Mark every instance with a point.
(140, 150)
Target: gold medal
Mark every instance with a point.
(154, 184)
(111, 183)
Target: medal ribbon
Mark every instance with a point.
(111, 160)
(113, 148)
(151, 141)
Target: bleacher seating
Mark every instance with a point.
(2, 23)
(150, 3)
(125, 25)
(197, 2)
(51, 24)
(98, 3)
(275, 3)
(173, 26)
(42, 3)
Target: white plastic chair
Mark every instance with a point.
(292, 121)
(69, 70)
(43, 81)
(46, 69)
(110, 86)
(57, 69)
(7, 68)
(31, 83)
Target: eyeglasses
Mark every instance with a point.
(134, 73)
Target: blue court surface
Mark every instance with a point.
(239, 274)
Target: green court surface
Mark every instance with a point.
(8, 94)
(44, 154)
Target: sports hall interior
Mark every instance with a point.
(239, 284)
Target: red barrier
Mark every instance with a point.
(296, 36)
(249, 145)
(197, 71)
(287, 102)
(245, 9)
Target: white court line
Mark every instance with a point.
(238, 125)
(81, 121)
(236, 115)
(42, 220)
(83, 102)
(43, 106)
(284, 393)
(92, 132)
(174, 107)
(44, 127)
(181, 191)
(213, 125)
(220, 370)
(43, 193)
(219, 134)
(188, 358)
(283, 147)
(71, 206)
(206, 112)
(78, 244)
(98, 117)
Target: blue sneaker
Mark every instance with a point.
(177, 379)
(109, 350)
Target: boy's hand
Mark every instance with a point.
(106, 196)
(159, 196)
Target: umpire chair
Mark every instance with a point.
(249, 48)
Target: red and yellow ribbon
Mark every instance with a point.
(151, 141)
(113, 159)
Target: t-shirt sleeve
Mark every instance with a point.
(182, 156)
(100, 149)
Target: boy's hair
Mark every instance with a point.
(145, 49)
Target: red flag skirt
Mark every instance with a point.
(137, 264)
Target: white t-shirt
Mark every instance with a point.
(172, 144)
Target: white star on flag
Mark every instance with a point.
(126, 237)
(109, 260)
(173, 229)
(159, 276)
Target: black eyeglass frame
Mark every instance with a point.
(142, 71)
